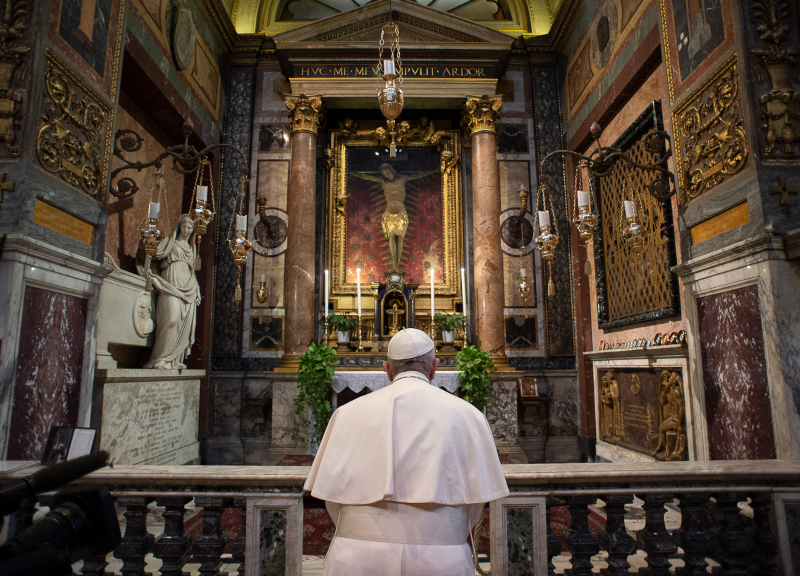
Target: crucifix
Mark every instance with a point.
(394, 325)
(783, 190)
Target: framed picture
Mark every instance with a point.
(65, 443)
(528, 387)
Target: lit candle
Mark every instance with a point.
(544, 218)
(630, 209)
(433, 306)
(263, 278)
(327, 288)
(155, 210)
(358, 285)
(463, 294)
(583, 198)
(388, 67)
(241, 222)
(202, 193)
(523, 273)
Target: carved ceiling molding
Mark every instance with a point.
(709, 132)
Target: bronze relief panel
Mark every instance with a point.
(644, 411)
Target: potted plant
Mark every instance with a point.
(342, 324)
(475, 369)
(448, 324)
(315, 379)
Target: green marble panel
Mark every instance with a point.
(520, 541)
(272, 543)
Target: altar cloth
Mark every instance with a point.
(377, 379)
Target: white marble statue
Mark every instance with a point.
(178, 297)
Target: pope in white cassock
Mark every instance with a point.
(405, 472)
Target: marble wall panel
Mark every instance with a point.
(283, 416)
(563, 393)
(272, 543)
(257, 408)
(558, 308)
(49, 370)
(792, 512)
(738, 411)
(238, 125)
(520, 541)
(501, 411)
(227, 407)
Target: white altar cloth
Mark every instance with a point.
(377, 379)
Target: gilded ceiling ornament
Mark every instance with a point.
(13, 65)
(306, 112)
(781, 105)
(710, 139)
(74, 136)
(480, 113)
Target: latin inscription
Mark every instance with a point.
(366, 71)
(720, 223)
(49, 216)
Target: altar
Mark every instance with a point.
(376, 379)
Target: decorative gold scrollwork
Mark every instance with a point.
(480, 113)
(306, 112)
(73, 140)
(710, 138)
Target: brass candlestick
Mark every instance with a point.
(525, 292)
(151, 237)
(261, 295)
(360, 343)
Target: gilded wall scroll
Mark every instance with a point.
(644, 411)
(74, 137)
(709, 131)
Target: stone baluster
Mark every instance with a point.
(173, 546)
(694, 535)
(479, 120)
(615, 539)
(239, 545)
(95, 566)
(553, 543)
(766, 544)
(298, 282)
(580, 541)
(136, 542)
(211, 545)
(654, 537)
(734, 545)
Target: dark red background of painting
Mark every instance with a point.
(366, 246)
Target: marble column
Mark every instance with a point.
(298, 284)
(479, 117)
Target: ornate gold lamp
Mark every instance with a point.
(151, 236)
(547, 240)
(240, 246)
(201, 215)
(390, 97)
(584, 219)
(262, 293)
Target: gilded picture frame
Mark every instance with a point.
(447, 281)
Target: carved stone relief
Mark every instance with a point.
(74, 137)
(13, 69)
(710, 138)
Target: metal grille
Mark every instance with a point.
(635, 283)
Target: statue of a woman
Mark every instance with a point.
(178, 297)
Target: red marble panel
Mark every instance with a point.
(47, 388)
(735, 376)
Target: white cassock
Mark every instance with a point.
(405, 472)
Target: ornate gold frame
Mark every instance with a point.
(336, 228)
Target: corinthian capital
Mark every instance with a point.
(480, 113)
(306, 112)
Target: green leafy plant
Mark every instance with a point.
(449, 322)
(316, 377)
(341, 322)
(476, 368)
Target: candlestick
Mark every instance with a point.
(464, 299)
(327, 291)
(241, 222)
(583, 198)
(155, 210)
(433, 306)
(523, 273)
(263, 277)
(388, 67)
(202, 193)
(630, 209)
(544, 218)
(358, 285)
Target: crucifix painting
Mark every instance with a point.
(394, 213)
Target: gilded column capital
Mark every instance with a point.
(306, 112)
(480, 113)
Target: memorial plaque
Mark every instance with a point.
(720, 223)
(644, 411)
(49, 216)
(151, 422)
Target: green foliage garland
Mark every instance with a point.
(475, 368)
(449, 322)
(316, 377)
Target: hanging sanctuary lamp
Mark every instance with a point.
(240, 246)
(151, 236)
(200, 214)
(390, 97)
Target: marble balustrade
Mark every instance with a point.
(744, 518)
